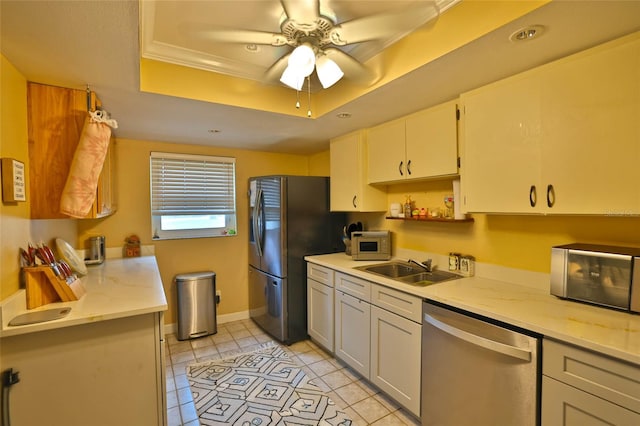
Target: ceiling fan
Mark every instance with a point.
(318, 40)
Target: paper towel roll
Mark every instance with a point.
(457, 201)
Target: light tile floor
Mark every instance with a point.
(361, 400)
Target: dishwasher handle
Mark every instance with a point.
(492, 345)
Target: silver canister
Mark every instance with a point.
(95, 250)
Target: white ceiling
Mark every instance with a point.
(75, 43)
(183, 33)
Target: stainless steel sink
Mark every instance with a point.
(393, 269)
(408, 273)
(427, 278)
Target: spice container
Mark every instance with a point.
(407, 207)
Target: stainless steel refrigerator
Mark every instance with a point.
(289, 218)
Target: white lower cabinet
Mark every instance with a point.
(320, 305)
(353, 317)
(582, 388)
(395, 357)
(101, 374)
(564, 405)
(378, 334)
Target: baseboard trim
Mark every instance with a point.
(222, 319)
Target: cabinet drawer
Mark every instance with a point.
(563, 405)
(320, 274)
(608, 378)
(354, 286)
(403, 304)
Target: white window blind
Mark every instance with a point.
(196, 186)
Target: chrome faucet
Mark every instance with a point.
(426, 265)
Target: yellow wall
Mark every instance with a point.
(319, 164)
(517, 241)
(514, 241)
(14, 217)
(226, 256)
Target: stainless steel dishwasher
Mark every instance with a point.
(477, 373)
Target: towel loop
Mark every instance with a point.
(88, 98)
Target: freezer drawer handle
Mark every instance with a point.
(508, 350)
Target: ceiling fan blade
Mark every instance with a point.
(303, 13)
(353, 70)
(242, 36)
(275, 71)
(384, 25)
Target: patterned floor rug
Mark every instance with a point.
(260, 388)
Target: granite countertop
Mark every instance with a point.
(522, 299)
(117, 288)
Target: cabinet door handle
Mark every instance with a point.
(354, 201)
(533, 197)
(551, 196)
(400, 168)
(409, 167)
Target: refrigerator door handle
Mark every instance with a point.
(257, 221)
(489, 344)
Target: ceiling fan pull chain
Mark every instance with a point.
(309, 99)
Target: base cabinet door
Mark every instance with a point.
(564, 405)
(101, 374)
(395, 357)
(352, 322)
(585, 388)
(320, 313)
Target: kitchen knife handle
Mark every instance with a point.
(400, 168)
(533, 198)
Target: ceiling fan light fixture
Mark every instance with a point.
(329, 73)
(292, 79)
(302, 59)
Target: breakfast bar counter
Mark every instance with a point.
(117, 288)
(103, 363)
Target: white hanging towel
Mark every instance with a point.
(79, 191)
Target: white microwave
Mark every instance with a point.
(371, 245)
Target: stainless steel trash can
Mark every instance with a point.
(196, 304)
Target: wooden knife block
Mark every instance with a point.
(44, 287)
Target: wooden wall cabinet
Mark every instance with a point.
(56, 116)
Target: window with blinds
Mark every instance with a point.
(192, 196)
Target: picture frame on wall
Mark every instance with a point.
(14, 186)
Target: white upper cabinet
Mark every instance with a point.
(387, 153)
(419, 146)
(500, 170)
(563, 138)
(591, 122)
(349, 189)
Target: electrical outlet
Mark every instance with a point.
(218, 296)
